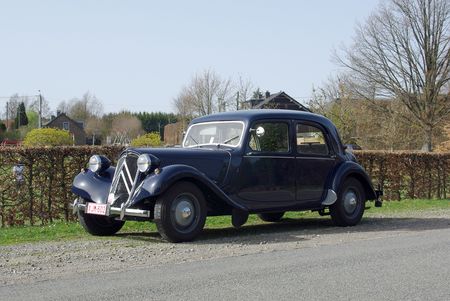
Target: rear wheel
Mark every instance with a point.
(349, 207)
(99, 225)
(180, 213)
(271, 217)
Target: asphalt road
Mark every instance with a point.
(413, 266)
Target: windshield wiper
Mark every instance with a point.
(195, 141)
(231, 139)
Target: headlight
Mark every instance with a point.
(144, 162)
(98, 163)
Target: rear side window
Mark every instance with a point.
(311, 140)
(270, 137)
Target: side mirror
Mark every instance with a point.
(260, 131)
(348, 148)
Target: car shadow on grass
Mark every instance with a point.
(289, 229)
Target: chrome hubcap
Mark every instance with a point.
(184, 212)
(350, 201)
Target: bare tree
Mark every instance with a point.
(373, 124)
(12, 105)
(34, 106)
(63, 106)
(207, 93)
(334, 88)
(183, 105)
(244, 92)
(93, 127)
(402, 52)
(224, 95)
(125, 127)
(88, 106)
(83, 108)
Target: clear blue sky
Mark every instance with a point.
(137, 55)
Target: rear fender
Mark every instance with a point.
(156, 184)
(352, 169)
(92, 186)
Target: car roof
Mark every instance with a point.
(249, 115)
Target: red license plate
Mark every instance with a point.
(98, 209)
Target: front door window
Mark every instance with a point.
(270, 137)
(267, 172)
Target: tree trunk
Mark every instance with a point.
(428, 138)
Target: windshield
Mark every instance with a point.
(223, 132)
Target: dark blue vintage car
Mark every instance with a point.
(236, 163)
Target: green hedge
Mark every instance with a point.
(48, 173)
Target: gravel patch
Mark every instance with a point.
(28, 263)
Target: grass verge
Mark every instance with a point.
(66, 231)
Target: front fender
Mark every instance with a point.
(92, 186)
(352, 169)
(156, 184)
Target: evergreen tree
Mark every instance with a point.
(155, 121)
(21, 117)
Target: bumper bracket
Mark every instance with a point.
(120, 212)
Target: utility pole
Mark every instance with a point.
(40, 110)
(237, 101)
(7, 115)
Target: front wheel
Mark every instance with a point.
(180, 213)
(99, 225)
(349, 207)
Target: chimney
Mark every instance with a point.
(58, 112)
(267, 94)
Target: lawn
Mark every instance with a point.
(66, 231)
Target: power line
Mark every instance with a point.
(19, 96)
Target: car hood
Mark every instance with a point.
(214, 163)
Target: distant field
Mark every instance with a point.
(66, 231)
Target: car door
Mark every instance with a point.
(315, 159)
(266, 175)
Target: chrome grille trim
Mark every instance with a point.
(128, 172)
(123, 181)
(116, 174)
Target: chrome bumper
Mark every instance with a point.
(113, 211)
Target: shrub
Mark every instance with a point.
(47, 137)
(148, 140)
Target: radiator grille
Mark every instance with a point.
(124, 176)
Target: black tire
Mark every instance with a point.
(271, 217)
(349, 207)
(180, 213)
(99, 225)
